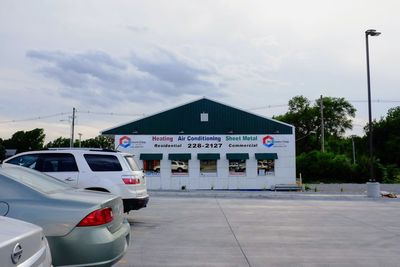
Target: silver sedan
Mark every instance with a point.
(83, 228)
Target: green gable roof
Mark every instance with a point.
(185, 119)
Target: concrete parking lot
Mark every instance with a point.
(213, 231)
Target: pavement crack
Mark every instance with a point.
(233, 233)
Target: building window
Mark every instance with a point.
(266, 167)
(208, 167)
(203, 117)
(180, 167)
(237, 167)
(151, 167)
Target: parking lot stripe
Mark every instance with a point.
(233, 233)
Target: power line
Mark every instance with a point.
(143, 114)
(36, 118)
(351, 101)
(110, 113)
(269, 106)
(68, 113)
(375, 101)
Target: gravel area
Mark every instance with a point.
(351, 188)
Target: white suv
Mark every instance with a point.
(94, 169)
(179, 166)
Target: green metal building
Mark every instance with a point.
(205, 144)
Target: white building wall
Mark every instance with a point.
(282, 145)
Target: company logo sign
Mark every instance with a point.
(125, 142)
(268, 141)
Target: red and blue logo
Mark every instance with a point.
(268, 141)
(125, 141)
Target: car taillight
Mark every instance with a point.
(97, 217)
(131, 180)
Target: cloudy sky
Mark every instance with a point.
(117, 61)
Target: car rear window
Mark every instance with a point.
(132, 163)
(103, 163)
(34, 179)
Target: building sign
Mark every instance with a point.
(268, 141)
(202, 142)
(124, 141)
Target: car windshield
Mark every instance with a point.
(132, 163)
(34, 179)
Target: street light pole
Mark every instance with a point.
(370, 32)
(80, 138)
(354, 149)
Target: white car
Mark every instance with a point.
(94, 169)
(179, 166)
(22, 244)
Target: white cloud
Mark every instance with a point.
(97, 78)
(142, 57)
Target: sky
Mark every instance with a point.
(118, 61)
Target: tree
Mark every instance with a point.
(337, 115)
(59, 142)
(26, 141)
(386, 136)
(2, 150)
(301, 115)
(307, 120)
(99, 141)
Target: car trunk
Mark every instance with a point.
(77, 204)
(19, 244)
(118, 211)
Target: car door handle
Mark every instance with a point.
(69, 179)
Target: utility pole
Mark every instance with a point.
(71, 142)
(322, 126)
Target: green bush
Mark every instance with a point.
(361, 170)
(2, 151)
(324, 167)
(328, 167)
(391, 174)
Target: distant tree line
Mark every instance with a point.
(34, 140)
(334, 165)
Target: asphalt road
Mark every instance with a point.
(212, 231)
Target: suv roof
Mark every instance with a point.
(82, 148)
(75, 150)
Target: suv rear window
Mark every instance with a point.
(132, 163)
(103, 163)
